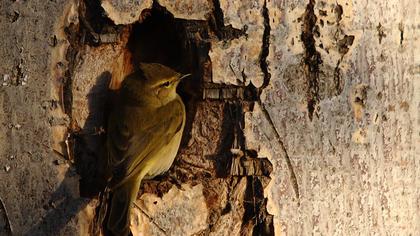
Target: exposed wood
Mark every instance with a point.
(302, 115)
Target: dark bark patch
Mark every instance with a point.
(401, 29)
(217, 25)
(312, 58)
(381, 32)
(338, 10)
(256, 220)
(345, 43)
(265, 47)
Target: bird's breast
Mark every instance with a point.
(164, 158)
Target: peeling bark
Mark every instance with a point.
(301, 115)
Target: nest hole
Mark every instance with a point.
(158, 38)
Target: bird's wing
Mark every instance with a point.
(132, 137)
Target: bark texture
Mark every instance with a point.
(302, 115)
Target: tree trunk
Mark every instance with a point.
(302, 116)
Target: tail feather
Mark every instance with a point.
(115, 207)
(119, 213)
(101, 212)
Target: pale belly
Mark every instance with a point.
(162, 161)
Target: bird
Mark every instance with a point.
(144, 133)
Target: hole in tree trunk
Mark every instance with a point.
(184, 46)
(159, 38)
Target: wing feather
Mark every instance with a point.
(132, 137)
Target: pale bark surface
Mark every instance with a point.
(303, 116)
(357, 161)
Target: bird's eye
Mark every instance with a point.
(166, 84)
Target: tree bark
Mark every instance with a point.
(302, 116)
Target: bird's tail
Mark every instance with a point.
(101, 211)
(114, 211)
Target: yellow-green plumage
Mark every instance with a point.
(144, 134)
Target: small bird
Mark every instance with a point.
(143, 137)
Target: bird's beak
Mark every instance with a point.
(184, 76)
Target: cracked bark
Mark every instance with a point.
(265, 49)
(143, 45)
(217, 25)
(264, 68)
(312, 57)
(313, 106)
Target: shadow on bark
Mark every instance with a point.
(65, 205)
(89, 160)
(90, 142)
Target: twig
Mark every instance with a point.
(150, 218)
(254, 202)
(289, 163)
(58, 153)
(68, 149)
(7, 216)
(54, 150)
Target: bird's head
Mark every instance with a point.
(161, 80)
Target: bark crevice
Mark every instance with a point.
(217, 25)
(312, 58)
(187, 51)
(265, 48)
